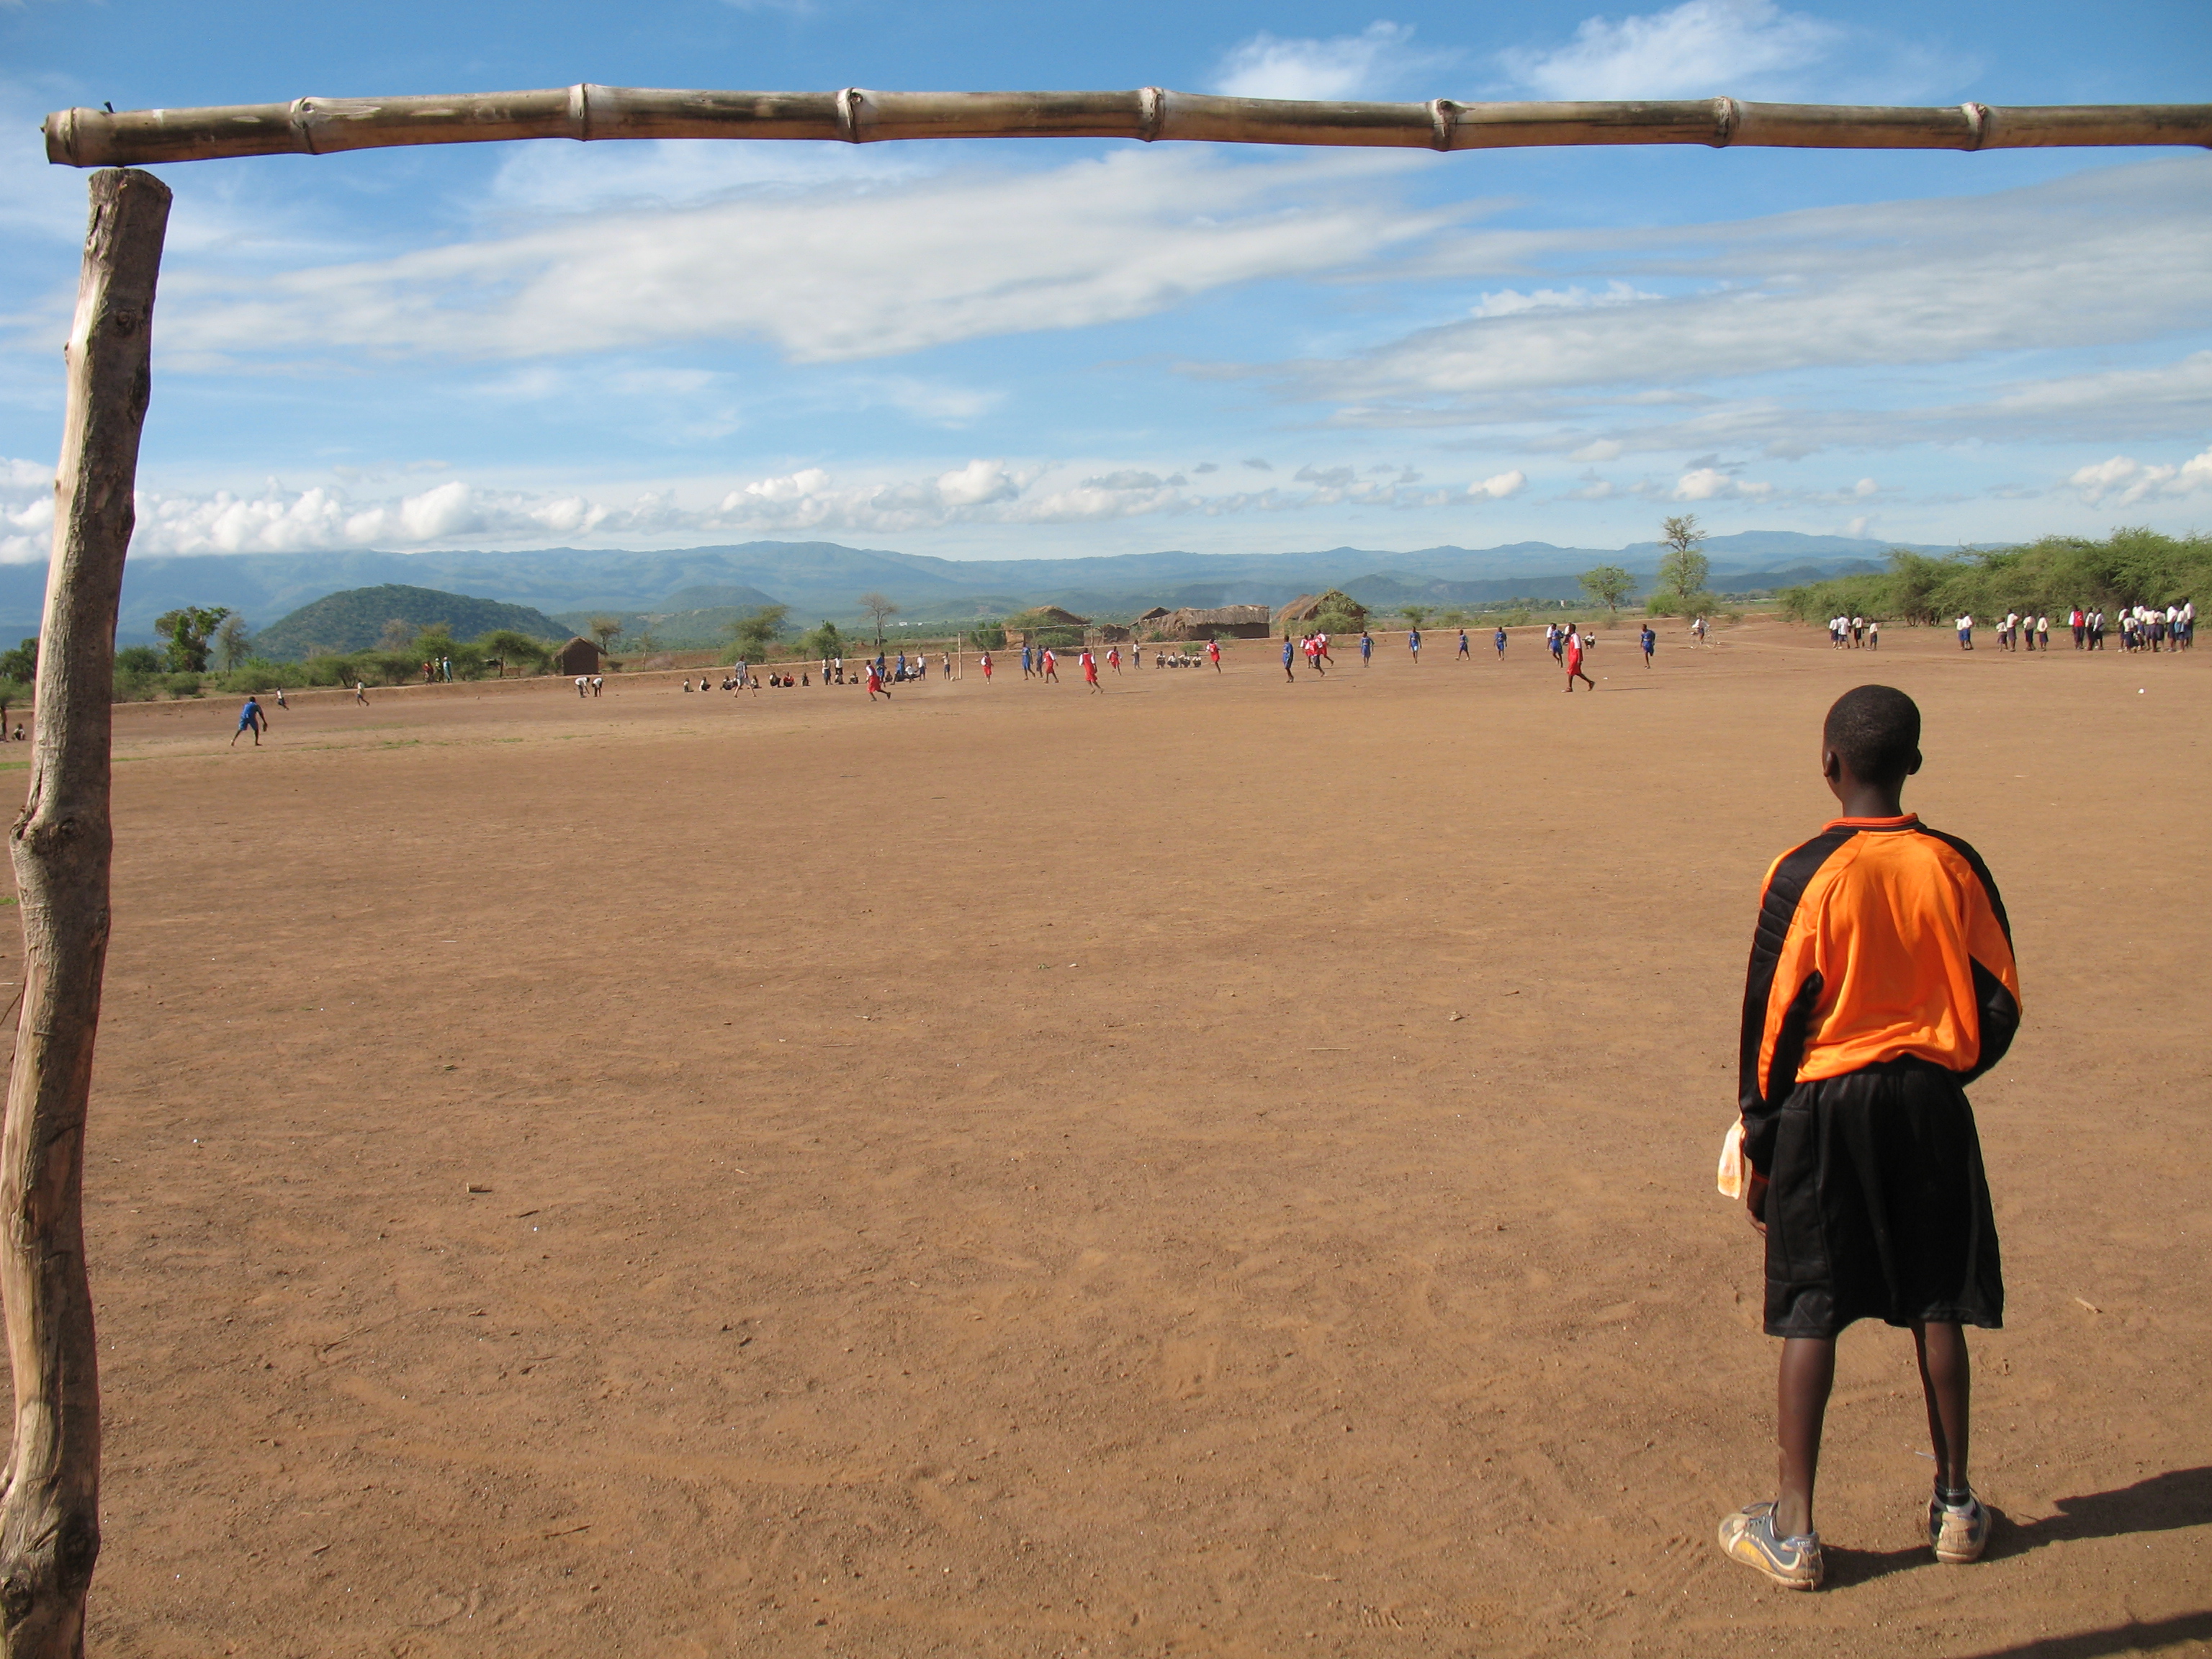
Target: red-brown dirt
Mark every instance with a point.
(1218, 1166)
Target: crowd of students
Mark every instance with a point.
(2142, 627)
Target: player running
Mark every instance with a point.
(1574, 654)
(1464, 654)
(1091, 671)
(1213, 654)
(1650, 641)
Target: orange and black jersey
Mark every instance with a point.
(1878, 939)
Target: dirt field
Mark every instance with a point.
(1217, 1168)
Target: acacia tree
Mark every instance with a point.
(503, 646)
(879, 609)
(605, 630)
(758, 629)
(1415, 614)
(233, 641)
(187, 628)
(1608, 585)
(1682, 567)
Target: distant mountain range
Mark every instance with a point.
(824, 579)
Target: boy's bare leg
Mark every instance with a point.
(1947, 1379)
(1809, 1372)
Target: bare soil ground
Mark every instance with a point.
(1218, 1166)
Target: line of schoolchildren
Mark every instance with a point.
(2146, 627)
(1854, 633)
(2143, 628)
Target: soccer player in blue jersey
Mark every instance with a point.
(250, 719)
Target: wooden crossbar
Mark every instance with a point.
(318, 126)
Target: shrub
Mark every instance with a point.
(1337, 622)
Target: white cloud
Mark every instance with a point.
(1510, 302)
(1865, 487)
(983, 253)
(1707, 484)
(563, 179)
(1601, 449)
(1701, 48)
(2123, 481)
(1347, 66)
(457, 511)
(1874, 287)
(2120, 403)
(976, 483)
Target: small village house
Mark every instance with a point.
(579, 656)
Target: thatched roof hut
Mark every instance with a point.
(1220, 621)
(1310, 607)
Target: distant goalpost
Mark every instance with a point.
(63, 842)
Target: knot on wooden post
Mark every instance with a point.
(304, 119)
(1725, 116)
(1978, 124)
(1444, 117)
(580, 111)
(1151, 112)
(848, 114)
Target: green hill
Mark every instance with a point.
(355, 620)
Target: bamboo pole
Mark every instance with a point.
(61, 846)
(317, 126)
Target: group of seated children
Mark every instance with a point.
(741, 680)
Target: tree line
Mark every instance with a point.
(2046, 577)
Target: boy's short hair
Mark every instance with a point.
(1876, 730)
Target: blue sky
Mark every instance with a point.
(1038, 347)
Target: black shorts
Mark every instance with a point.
(1879, 1208)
